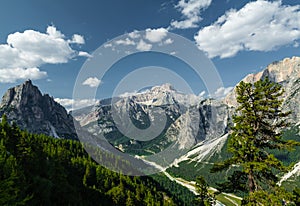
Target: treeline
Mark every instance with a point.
(41, 170)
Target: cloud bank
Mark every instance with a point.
(25, 52)
(258, 26)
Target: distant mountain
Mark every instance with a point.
(198, 128)
(29, 109)
(183, 110)
(190, 119)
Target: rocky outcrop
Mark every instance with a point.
(215, 118)
(30, 110)
(285, 72)
(206, 121)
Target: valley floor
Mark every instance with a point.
(223, 199)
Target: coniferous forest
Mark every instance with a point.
(42, 170)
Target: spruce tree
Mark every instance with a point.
(257, 130)
(204, 198)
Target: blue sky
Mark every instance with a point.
(49, 41)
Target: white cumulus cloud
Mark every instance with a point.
(125, 42)
(26, 51)
(74, 104)
(37, 48)
(222, 92)
(52, 31)
(156, 35)
(108, 45)
(134, 35)
(84, 54)
(168, 41)
(13, 74)
(191, 11)
(77, 39)
(143, 46)
(92, 82)
(258, 26)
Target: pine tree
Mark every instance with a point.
(204, 198)
(130, 199)
(258, 125)
(11, 182)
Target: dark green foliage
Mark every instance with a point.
(204, 198)
(10, 189)
(258, 125)
(277, 196)
(235, 183)
(286, 156)
(296, 197)
(181, 195)
(41, 170)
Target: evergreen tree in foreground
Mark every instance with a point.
(257, 130)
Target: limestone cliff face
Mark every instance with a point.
(206, 121)
(190, 118)
(37, 113)
(285, 72)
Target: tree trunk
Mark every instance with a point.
(251, 182)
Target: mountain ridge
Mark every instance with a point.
(194, 126)
(286, 73)
(31, 110)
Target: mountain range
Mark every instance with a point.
(196, 128)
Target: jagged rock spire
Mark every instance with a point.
(35, 112)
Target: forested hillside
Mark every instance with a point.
(41, 170)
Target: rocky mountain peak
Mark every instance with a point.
(288, 68)
(35, 112)
(166, 94)
(20, 94)
(278, 71)
(285, 72)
